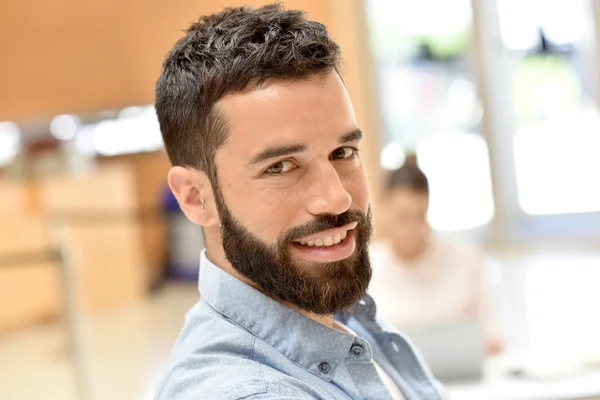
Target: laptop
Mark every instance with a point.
(454, 351)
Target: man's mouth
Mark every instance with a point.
(327, 238)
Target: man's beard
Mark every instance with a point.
(318, 288)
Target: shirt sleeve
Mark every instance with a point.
(277, 391)
(266, 396)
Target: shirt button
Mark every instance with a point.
(324, 367)
(357, 349)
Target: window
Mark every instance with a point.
(557, 164)
(558, 125)
(457, 165)
(430, 105)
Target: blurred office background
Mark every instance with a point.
(498, 98)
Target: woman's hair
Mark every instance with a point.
(409, 176)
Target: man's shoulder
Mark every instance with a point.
(213, 360)
(239, 379)
(234, 378)
(210, 352)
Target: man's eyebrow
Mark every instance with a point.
(282, 151)
(277, 151)
(353, 135)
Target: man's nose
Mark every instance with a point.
(328, 194)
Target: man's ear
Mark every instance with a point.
(194, 193)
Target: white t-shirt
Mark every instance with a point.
(450, 281)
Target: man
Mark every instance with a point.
(266, 155)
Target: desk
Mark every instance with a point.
(558, 298)
(583, 387)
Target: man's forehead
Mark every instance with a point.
(288, 112)
(281, 94)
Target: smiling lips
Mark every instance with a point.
(327, 238)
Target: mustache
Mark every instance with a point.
(325, 222)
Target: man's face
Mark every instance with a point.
(408, 226)
(292, 193)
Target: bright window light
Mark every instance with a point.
(10, 140)
(137, 130)
(557, 165)
(422, 17)
(131, 112)
(392, 156)
(518, 24)
(84, 141)
(64, 127)
(563, 21)
(457, 165)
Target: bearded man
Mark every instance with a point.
(266, 158)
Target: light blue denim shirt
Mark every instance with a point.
(237, 343)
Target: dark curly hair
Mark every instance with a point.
(225, 53)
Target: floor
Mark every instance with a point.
(125, 352)
(553, 298)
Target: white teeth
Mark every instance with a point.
(326, 241)
(337, 238)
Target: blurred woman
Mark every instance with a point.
(420, 278)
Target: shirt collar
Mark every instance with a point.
(299, 338)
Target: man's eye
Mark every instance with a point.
(280, 167)
(343, 152)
